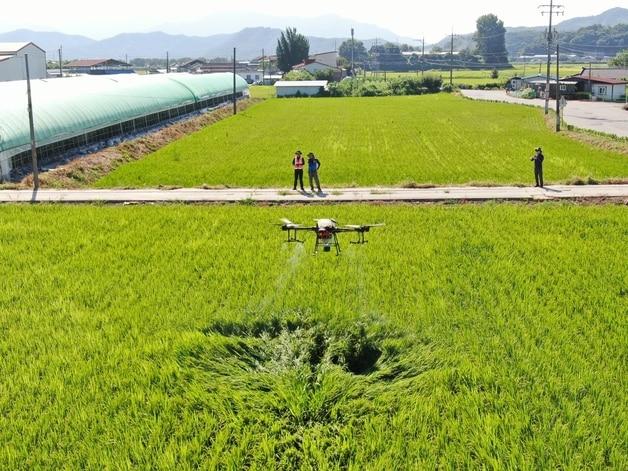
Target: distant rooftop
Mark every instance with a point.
(14, 48)
(95, 62)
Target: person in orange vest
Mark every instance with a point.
(298, 163)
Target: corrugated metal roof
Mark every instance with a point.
(95, 62)
(3, 58)
(608, 81)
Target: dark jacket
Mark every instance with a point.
(313, 165)
(538, 159)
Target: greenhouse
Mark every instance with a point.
(72, 113)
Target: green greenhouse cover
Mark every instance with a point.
(69, 107)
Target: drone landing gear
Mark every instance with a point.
(326, 246)
(292, 238)
(361, 240)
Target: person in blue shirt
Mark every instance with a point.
(313, 164)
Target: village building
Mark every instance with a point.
(99, 67)
(13, 64)
(300, 88)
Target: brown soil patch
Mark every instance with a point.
(84, 171)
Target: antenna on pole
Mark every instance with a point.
(550, 10)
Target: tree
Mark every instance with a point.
(491, 40)
(359, 51)
(298, 76)
(621, 59)
(292, 49)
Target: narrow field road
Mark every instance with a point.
(609, 118)
(554, 192)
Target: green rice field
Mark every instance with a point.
(178, 337)
(436, 139)
(481, 77)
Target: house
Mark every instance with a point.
(538, 83)
(314, 67)
(248, 71)
(12, 63)
(607, 72)
(600, 88)
(192, 66)
(99, 67)
(608, 84)
(515, 84)
(329, 59)
(323, 62)
(300, 88)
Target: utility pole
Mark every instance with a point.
(551, 10)
(451, 61)
(423, 57)
(167, 62)
(590, 86)
(263, 67)
(60, 61)
(352, 53)
(557, 86)
(32, 126)
(235, 99)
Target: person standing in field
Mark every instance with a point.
(538, 166)
(313, 164)
(298, 163)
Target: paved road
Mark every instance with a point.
(336, 195)
(610, 118)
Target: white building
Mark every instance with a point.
(12, 65)
(300, 88)
(321, 62)
(608, 89)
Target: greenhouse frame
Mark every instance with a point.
(70, 114)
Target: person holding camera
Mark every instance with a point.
(538, 159)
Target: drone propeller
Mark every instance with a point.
(363, 226)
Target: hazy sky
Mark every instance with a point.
(406, 18)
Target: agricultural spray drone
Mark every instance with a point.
(326, 231)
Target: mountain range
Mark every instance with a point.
(324, 33)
